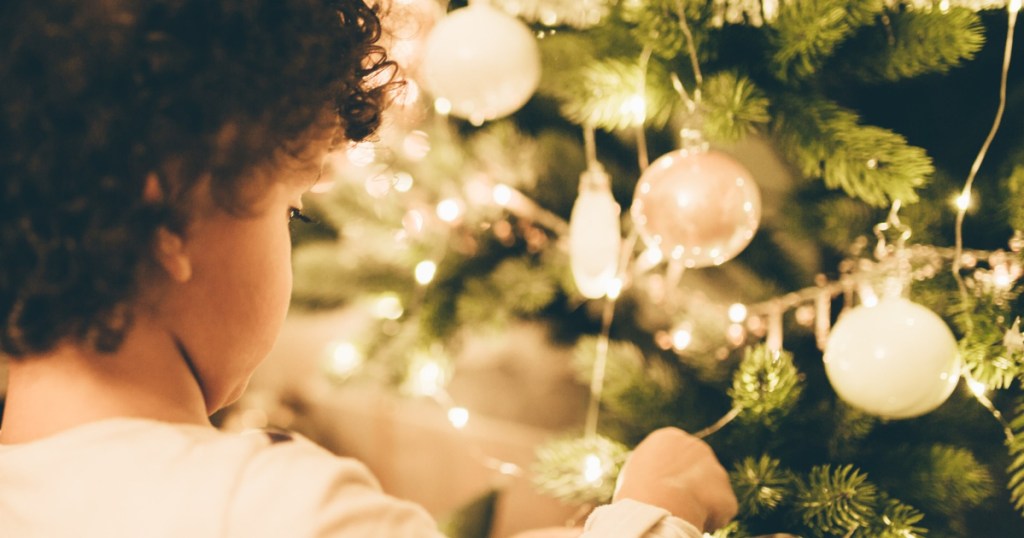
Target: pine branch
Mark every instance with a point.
(1016, 469)
(984, 319)
(579, 14)
(760, 485)
(836, 502)
(1015, 198)
(807, 32)
(733, 530)
(897, 520)
(870, 163)
(581, 470)
(636, 390)
(917, 43)
(613, 94)
(734, 107)
(766, 384)
(944, 479)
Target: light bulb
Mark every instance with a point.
(737, 312)
(425, 271)
(459, 417)
(594, 235)
(345, 359)
(593, 470)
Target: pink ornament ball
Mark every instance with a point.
(700, 207)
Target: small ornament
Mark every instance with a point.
(481, 63)
(896, 359)
(594, 234)
(698, 206)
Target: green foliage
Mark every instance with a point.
(1015, 198)
(833, 502)
(766, 384)
(656, 25)
(984, 319)
(734, 107)
(806, 33)
(635, 389)
(870, 163)
(562, 466)
(614, 93)
(1016, 468)
(733, 530)
(919, 42)
(520, 285)
(945, 479)
(898, 521)
(760, 485)
(852, 426)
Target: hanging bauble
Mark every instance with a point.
(698, 206)
(483, 63)
(895, 359)
(594, 234)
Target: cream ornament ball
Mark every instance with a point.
(483, 63)
(895, 359)
(698, 206)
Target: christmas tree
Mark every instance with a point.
(816, 265)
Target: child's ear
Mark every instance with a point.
(169, 247)
(170, 252)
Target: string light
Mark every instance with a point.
(963, 201)
(737, 312)
(459, 417)
(614, 288)
(449, 210)
(425, 271)
(403, 182)
(387, 306)
(361, 154)
(426, 378)
(977, 387)
(344, 360)
(502, 194)
(593, 469)
(681, 338)
(442, 106)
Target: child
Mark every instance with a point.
(152, 155)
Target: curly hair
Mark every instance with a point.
(97, 96)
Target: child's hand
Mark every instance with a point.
(680, 473)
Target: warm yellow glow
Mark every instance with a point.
(634, 108)
(963, 201)
(361, 154)
(442, 106)
(737, 312)
(681, 338)
(502, 194)
(614, 288)
(387, 306)
(593, 470)
(977, 387)
(449, 210)
(425, 271)
(345, 359)
(459, 417)
(403, 182)
(426, 379)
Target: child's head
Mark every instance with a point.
(151, 154)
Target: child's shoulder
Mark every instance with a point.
(115, 477)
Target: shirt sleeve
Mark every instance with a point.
(633, 519)
(298, 489)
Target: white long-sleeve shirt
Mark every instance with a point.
(142, 478)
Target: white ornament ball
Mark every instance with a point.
(483, 63)
(697, 206)
(896, 359)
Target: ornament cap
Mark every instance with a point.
(595, 178)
